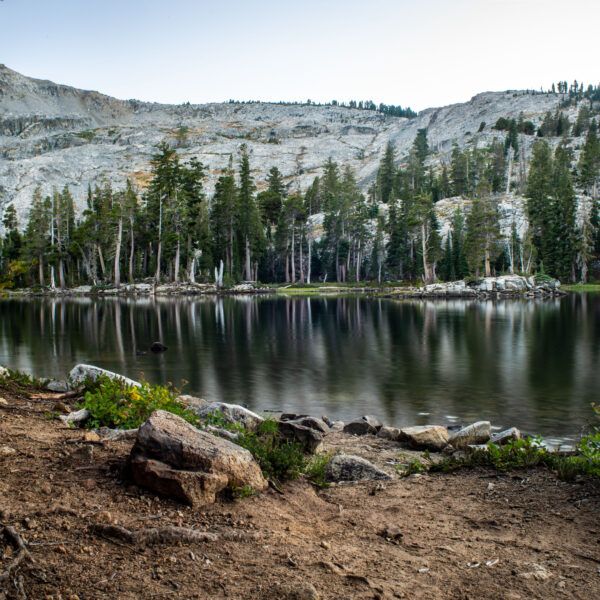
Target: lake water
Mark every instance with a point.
(533, 364)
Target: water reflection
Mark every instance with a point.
(533, 364)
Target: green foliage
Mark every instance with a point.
(86, 135)
(112, 404)
(314, 469)
(411, 466)
(278, 458)
(243, 492)
(18, 380)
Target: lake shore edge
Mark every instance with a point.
(503, 287)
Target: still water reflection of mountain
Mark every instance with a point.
(526, 363)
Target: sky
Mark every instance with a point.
(416, 53)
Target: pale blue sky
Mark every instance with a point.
(418, 53)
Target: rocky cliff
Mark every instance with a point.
(52, 135)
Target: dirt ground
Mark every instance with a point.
(472, 534)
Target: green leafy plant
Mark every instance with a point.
(112, 404)
(314, 469)
(20, 380)
(411, 466)
(243, 491)
(278, 458)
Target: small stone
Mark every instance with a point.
(3, 402)
(91, 436)
(325, 545)
(391, 532)
(61, 408)
(104, 517)
(6, 451)
(353, 468)
(88, 484)
(45, 488)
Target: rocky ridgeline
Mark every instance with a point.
(52, 135)
(176, 459)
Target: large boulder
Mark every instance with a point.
(426, 437)
(389, 433)
(311, 423)
(174, 458)
(234, 414)
(352, 468)
(476, 433)
(79, 373)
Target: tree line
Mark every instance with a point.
(330, 232)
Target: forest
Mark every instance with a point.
(332, 231)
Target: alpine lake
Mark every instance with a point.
(525, 363)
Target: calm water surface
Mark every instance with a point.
(531, 364)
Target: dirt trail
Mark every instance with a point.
(473, 534)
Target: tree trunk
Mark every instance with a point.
(248, 266)
(131, 251)
(426, 274)
(101, 259)
(158, 257)
(41, 269)
(118, 254)
(301, 263)
(177, 257)
(293, 257)
(309, 258)
(488, 271)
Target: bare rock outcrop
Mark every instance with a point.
(174, 458)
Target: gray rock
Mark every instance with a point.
(311, 439)
(3, 371)
(313, 423)
(389, 433)
(232, 413)
(175, 458)
(427, 437)
(353, 468)
(80, 373)
(116, 435)
(58, 386)
(476, 433)
(363, 426)
(503, 437)
(337, 426)
(76, 418)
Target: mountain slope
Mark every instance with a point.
(52, 135)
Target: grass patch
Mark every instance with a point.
(86, 135)
(582, 287)
(18, 381)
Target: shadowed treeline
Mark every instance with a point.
(531, 364)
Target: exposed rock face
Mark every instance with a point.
(233, 413)
(505, 285)
(174, 458)
(476, 433)
(352, 468)
(52, 135)
(427, 437)
(80, 373)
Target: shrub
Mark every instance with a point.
(18, 380)
(112, 404)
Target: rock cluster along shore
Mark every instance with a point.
(176, 459)
(505, 286)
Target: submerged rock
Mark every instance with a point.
(158, 347)
(353, 468)
(80, 373)
(427, 437)
(174, 458)
(476, 433)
